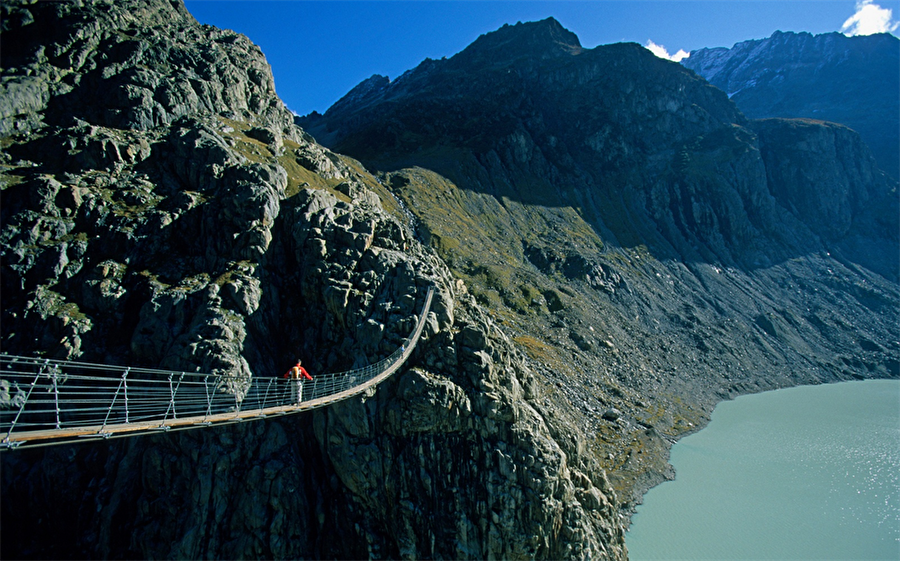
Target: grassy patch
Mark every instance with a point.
(8, 180)
(536, 349)
(258, 152)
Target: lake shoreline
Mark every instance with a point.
(795, 440)
(652, 479)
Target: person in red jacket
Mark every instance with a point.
(297, 374)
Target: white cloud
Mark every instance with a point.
(661, 52)
(869, 18)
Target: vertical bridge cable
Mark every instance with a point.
(113, 402)
(53, 376)
(171, 399)
(208, 397)
(85, 403)
(125, 392)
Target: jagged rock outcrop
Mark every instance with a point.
(161, 209)
(849, 80)
(651, 248)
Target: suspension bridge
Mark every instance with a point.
(44, 401)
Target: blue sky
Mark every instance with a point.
(319, 50)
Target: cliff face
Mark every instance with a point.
(849, 80)
(649, 246)
(161, 209)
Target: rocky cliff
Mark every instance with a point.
(160, 208)
(849, 80)
(651, 249)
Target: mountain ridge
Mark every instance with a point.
(849, 80)
(511, 117)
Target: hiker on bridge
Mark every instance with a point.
(297, 374)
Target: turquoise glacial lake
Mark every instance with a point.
(811, 472)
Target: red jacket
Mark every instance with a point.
(297, 372)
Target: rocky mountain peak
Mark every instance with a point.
(538, 39)
(530, 76)
(519, 47)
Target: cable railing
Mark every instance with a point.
(44, 401)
